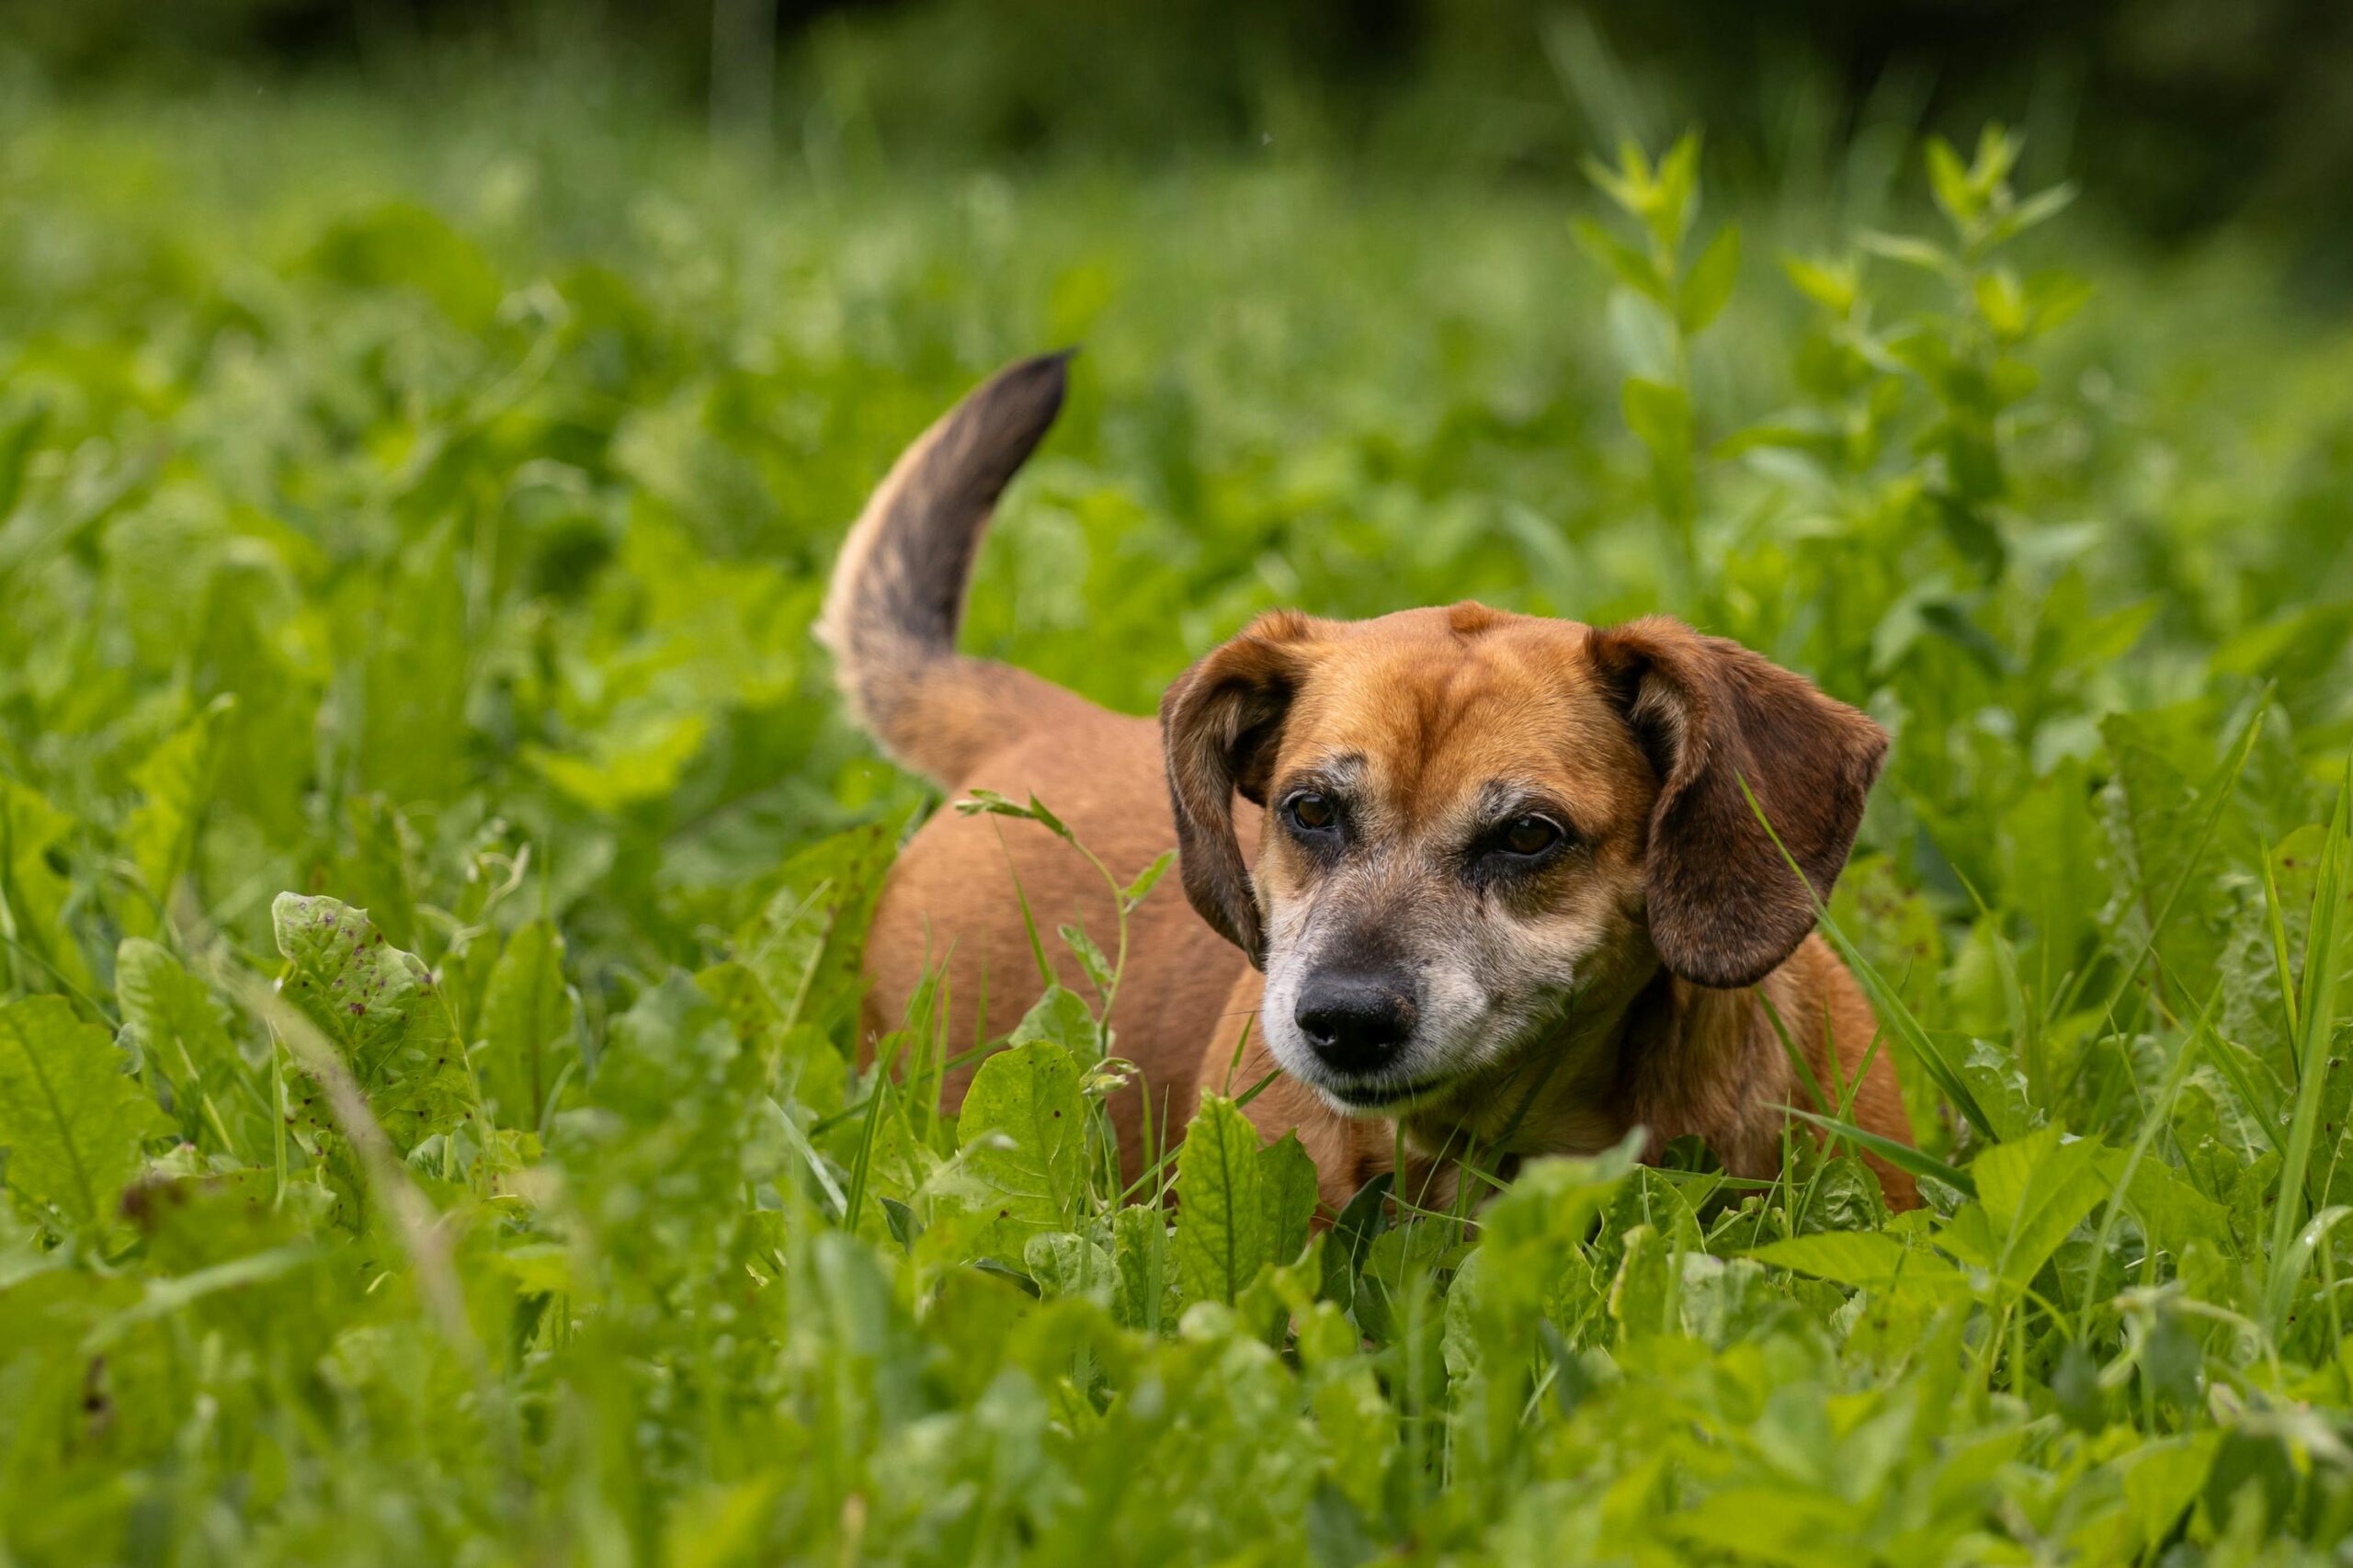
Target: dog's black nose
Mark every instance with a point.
(1356, 1022)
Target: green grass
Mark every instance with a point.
(424, 514)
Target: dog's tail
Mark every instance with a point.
(898, 590)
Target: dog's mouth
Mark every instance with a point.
(1460, 1082)
(1426, 1077)
(1385, 1098)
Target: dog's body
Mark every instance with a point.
(1511, 895)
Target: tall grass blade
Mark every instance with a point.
(2316, 1016)
(1902, 1157)
(1884, 999)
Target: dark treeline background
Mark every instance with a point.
(2200, 112)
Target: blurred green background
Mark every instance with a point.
(476, 395)
(2189, 116)
(424, 433)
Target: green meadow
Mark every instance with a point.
(434, 860)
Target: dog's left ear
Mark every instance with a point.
(1725, 910)
(1221, 724)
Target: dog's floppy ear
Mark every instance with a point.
(1220, 726)
(1725, 910)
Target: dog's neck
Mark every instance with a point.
(1663, 1054)
(1710, 1064)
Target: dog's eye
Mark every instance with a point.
(1311, 813)
(1529, 835)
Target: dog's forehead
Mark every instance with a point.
(1442, 703)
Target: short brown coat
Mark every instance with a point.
(1664, 745)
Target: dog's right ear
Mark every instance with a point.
(1220, 726)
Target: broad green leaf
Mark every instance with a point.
(1067, 1265)
(1629, 184)
(676, 1122)
(2169, 1208)
(33, 893)
(1856, 1257)
(1287, 1177)
(1980, 543)
(1786, 1523)
(379, 870)
(1948, 178)
(801, 1061)
(1062, 1018)
(1831, 285)
(360, 990)
(2161, 1478)
(1674, 199)
(1222, 1214)
(1950, 618)
(1023, 1131)
(2038, 209)
(805, 943)
(71, 1121)
(1360, 1428)
(2048, 870)
(1530, 1238)
(1660, 417)
(176, 781)
(1361, 1221)
(1707, 287)
(2001, 300)
(1909, 251)
(402, 244)
(1998, 1082)
(182, 1030)
(1090, 956)
(639, 758)
(382, 1009)
(2052, 298)
(403, 696)
(1623, 262)
(2159, 828)
(1147, 1295)
(1643, 1297)
(527, 1026)
(2036, 1190)
(1133, 894)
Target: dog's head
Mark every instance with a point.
(1474, 823)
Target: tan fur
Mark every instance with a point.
(1732, 1105)
(1642, 737)
(953, 901)
(898, 588)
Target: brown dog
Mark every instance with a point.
(1507, 897)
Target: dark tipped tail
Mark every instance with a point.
(898, 589)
